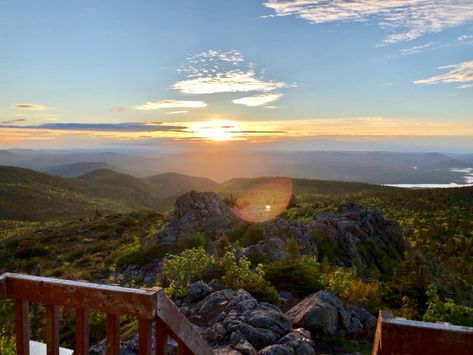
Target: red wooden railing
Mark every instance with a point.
(401, 336)
(150, 307)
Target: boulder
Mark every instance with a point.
(323, 313)
(278, 235)
(357, 235)
(197, 211)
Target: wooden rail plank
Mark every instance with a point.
(3, 287)
(402, 336)
(52, 330)
(74, 294)
(82, 332)
(179, 326)
(22, 329)
(161, 337)
(113, 334)
(145, 329)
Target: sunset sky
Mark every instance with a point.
(196, 74)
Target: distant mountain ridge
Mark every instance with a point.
(26, 194)
(375, 167)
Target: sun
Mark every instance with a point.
(217, 130)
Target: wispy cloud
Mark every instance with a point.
(257, 100)
(176, 112)
(417, 49)
(165, 104)
(14, 121)
(104, 127)
(408, 19)
(32, 107)
(459, 73)
(119, 109)
(213, 72)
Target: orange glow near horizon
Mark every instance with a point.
(265, 201)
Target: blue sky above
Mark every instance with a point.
(263, 64)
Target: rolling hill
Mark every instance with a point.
(77, 169)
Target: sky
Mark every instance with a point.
(237, 74)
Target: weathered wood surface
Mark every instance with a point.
(401, 336)
(82, 332)
(52, 330)
(147, 306)
(3, 287)
(22, 327)
(179, 326)
(74, 294)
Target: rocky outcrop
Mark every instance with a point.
(279, 237)
(197, 211)
(233, 322)
(358, 236)
(325, 314)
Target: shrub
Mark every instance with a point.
(238, 274)
(247, 234)
(180, 271)
(301, 276)
(137, 254)
(447, 311)
(351, 289)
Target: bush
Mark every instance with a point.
(301, 277)
(137, 254)
(351, 289)
(238, 274)
(180, 271)
(447, 311)
(247, 234)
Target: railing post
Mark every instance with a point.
(52, 330)
(113, 334)
(82, 332)
(145, 328)
(161, 337)
(22, 329)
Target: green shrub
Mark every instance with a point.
(180, 271)
(238, 274)
(247, 234)
(301, 277)
(137, 253)
(193, 241)
(447, 311)
(351, 289)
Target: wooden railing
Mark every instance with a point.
(401, 336)
(150, 307)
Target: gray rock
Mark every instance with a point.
(194, 211)
(278, 236)
(277, 349)
(198, 291)
(324, 313)
(300, 341)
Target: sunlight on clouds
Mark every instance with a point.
(459, 73)
(257, 100)
(409, 18)
(163, 104)
(215, 72)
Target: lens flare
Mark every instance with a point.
(265, 201)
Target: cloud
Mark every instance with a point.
(459, 73)
(32, 107)
(417, 49)
(105, 127)
(257, 100)
(213, 72)
(163, 104)
(14, 121)
(409, 19)
(176, 112)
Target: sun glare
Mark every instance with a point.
(218, 131)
